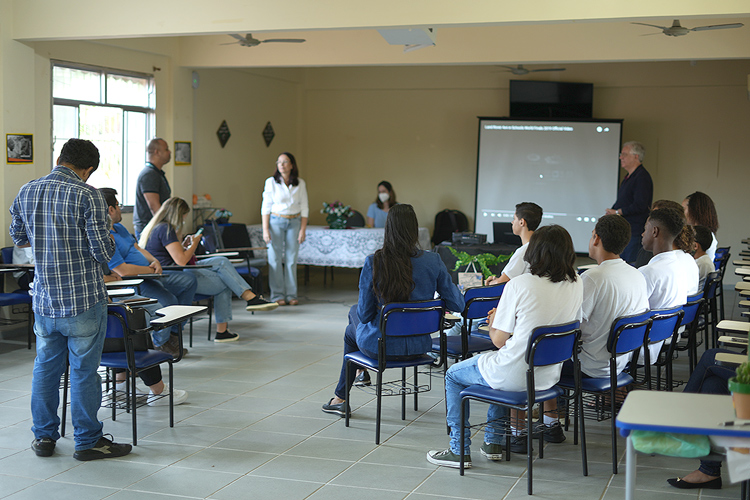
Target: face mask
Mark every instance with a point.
(384, 197)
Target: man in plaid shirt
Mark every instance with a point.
(64, 220)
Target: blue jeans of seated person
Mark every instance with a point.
(220, 281)
(710, 378)
(350, 345)
(175, 288)
(284, 242)
(459, 377)
(80, 339)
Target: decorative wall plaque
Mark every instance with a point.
(268, 134)
(223, 133)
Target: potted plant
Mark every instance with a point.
(739, 386)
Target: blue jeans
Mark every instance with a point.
(220, 281)
(284, 241)
(176, 287)
(80, 339)
(459, 377)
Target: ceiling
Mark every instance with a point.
(344, 33)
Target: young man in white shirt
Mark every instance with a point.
(610, 290)
(670, 278)
(526, 220)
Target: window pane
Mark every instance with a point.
(103, 127)
(64, 127)
(135, 154)
(78, 84)
(127, 90)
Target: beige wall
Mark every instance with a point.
(247, 100)
(414, 126)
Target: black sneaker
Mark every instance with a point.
(226, 336)
(447, 458)
(172, 346)
(104, 448)
(44, 447)
(258, 303)
(334, 409)
(363, 379)
(518, 444)
(552, 433)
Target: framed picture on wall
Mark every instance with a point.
(182, 153)
(20, 148)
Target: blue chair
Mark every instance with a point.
(129, 327)
(628, 333)
(692, 311)
(721, 259)
(398, 320)
(18, 298)
(665, 324)
(710, 313)
(479, 301)
(548, 345)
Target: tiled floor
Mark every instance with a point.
(252, 428)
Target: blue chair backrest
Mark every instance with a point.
(664, 322)
(116, 315)
(628, 333)
(7, 255)
(479, 300)
(406, 319)
(709, 287)
(552, 344)
(691, 309)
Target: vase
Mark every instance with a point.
(336, 222)
(740, 398)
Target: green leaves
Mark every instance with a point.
(483, 260)
(743, 373)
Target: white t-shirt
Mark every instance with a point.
(670, 278)
(705, 266)
(610, 290)
(516, 266)
(528, 301)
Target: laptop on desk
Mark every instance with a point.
(502, 232)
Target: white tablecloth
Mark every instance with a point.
(335, 247)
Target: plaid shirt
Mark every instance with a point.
(65, 220)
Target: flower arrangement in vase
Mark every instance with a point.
(338, 213)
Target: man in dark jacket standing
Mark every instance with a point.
(634, 196)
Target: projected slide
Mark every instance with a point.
(569, 168)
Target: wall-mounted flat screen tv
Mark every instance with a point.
(530, 99)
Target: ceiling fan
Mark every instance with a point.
(249, 41)
(677, 30)
(520, 70)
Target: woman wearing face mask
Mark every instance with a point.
(378, 211)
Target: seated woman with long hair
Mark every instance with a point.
(549, 294)
(398, 272)
(162, 237)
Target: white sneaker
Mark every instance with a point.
(178, 396)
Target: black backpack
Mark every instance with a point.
(447, 222)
